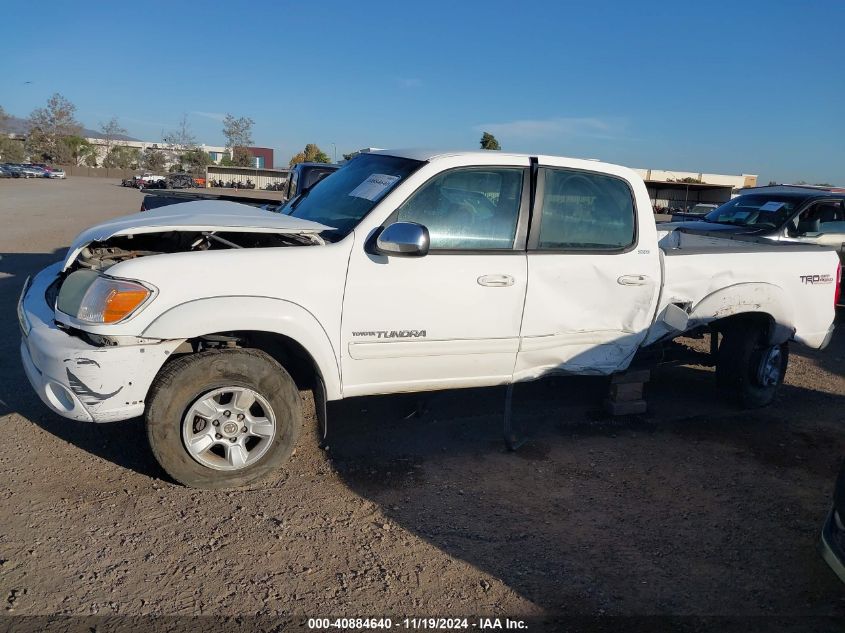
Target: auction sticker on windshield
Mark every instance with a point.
(771, 206)
(373, 187)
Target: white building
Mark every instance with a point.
(216, 152)
(664, 175)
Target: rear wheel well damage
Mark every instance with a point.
(772, 331)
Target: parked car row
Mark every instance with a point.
(29, 170)
(141, 181)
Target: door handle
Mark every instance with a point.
(495, 281)
(633, 280)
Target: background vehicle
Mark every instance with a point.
(5, 172)
(56, 172)
(28, 171)
(784, 213)
(305, 175)
(404, 271)
(832, 544)
(694, 213)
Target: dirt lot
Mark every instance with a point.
(695, 509)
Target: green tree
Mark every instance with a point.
(123, 157)
(311, 154)
(226, 160)
(488, 141)
(12, 150)
(242, 157)
(75, 150)
(153, 160)
(196, 160)
(49, 125)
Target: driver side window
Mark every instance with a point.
(468, 209)
(822, 217)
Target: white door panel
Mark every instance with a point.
(427, 323)
(592, 294)
(579, 317)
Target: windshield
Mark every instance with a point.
(344, 198)
(755, 210)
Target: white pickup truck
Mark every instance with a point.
(403, 271)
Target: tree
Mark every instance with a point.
(181, 139)
(49, 125)
(488, 141)
(242, 157)
(238, 133)
(111, 131)
(123, 157)
(12, 150)
(311, 154)
(75, 150)
(153, 160)
(196, 160)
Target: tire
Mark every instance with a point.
(187, 385)
(748, 368)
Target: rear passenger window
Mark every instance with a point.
(585, 211)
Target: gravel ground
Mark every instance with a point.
(694, 509)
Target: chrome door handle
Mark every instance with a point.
(495, 281)
(632, 280)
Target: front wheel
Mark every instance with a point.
(748, 367)
(223, 419)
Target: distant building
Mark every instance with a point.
(262, 156)
(682, 190)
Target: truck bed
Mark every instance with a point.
(713, 276)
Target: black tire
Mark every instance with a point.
(742, 355)
(182, 381)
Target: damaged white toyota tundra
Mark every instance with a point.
(402, 271)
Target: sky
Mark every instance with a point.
(724, 87)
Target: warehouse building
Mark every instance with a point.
(682, 190)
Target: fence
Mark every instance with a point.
(100, 172)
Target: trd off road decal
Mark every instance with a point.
(391, 334)
(816, 279)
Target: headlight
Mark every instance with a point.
(92, 298)
(111, 300)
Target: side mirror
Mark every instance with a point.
(404, 239)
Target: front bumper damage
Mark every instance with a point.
(78, 380)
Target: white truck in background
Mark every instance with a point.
(403, 271)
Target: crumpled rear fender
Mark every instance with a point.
(755, 297)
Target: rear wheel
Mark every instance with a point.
(222, 419)
(748, 367)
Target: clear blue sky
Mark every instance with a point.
(730, 87)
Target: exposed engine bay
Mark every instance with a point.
(100, 256)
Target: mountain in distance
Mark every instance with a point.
(17, 125)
